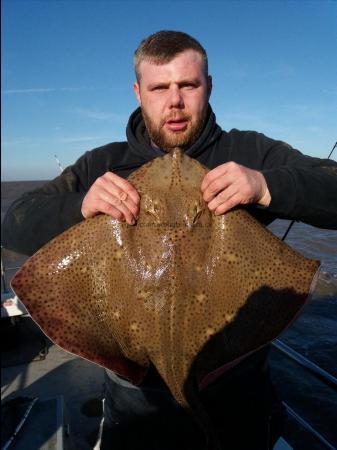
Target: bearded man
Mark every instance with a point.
(173, 88)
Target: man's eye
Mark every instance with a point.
(188, 86)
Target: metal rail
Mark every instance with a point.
(22, 421)
(3, 279)
(308, 427)
(320, 373)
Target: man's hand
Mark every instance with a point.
(231, 184)
(111, 194)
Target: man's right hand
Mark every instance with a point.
(112, 195)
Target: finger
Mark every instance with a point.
(124, 199)
(107, 208)
(119, 205)
(222, 197)
(125, 186)
(229, 204)
(102, 207)
(215, 173)
(215, 187)
(113, 194)
(219, 184)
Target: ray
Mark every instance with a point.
(187, 291)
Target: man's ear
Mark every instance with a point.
(136, 89)
(209, 85)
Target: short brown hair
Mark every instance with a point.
(163, 46)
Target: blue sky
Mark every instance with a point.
(67, 72)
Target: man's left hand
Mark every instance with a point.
(231, 184)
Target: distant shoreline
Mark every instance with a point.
(23, 181)
(13, 189)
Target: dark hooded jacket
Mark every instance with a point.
(301, 187)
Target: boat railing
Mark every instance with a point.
(4, 285)
(324, 376)
(11, 306)
(320, 373)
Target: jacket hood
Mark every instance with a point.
(139, 141)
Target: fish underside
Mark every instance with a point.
(187, 291)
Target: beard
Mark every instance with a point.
(167, 139)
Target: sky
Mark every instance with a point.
(67, 72)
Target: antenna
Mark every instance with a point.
(58, 163)
(333, 148)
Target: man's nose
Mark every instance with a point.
(176, 99)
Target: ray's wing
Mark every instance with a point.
(77, 288)
(258, 286)
(235, 288)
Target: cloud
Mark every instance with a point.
(306, 112)
(28, 91)
(38, 142)
(314, 129)
(330, 91)
(19, 141)
(74, 139)
(100, 115)
(283, 70)
(252, 120)
(42, 90)
(235, 74)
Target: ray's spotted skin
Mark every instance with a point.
(188, 291)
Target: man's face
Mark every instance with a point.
(174, 98)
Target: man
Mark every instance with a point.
(247, 168)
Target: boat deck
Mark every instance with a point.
(59, 373)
